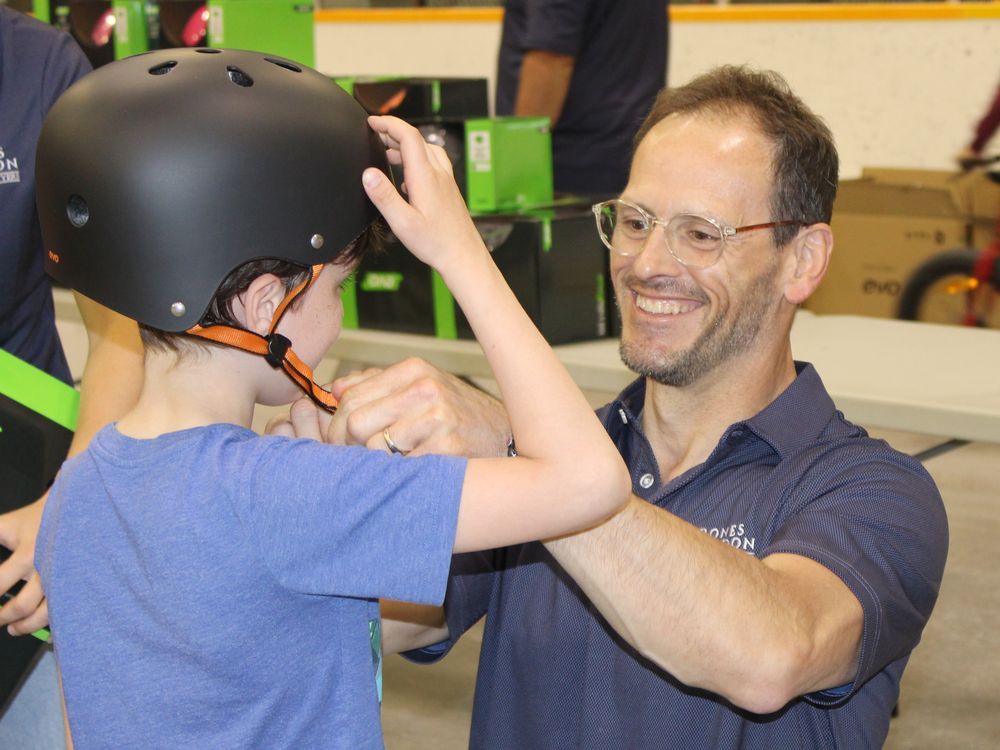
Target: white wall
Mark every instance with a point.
(900, 93)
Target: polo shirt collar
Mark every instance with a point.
(793, 420)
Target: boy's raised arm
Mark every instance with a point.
(568, 474)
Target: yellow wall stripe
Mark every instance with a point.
(948, 11)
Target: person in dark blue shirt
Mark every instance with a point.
(776, 566)
(593, 67)
(37, 64)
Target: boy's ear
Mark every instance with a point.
(256, 306)
(809, 259)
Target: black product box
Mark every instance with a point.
(422, 100)
(552, 259)
(437, 107)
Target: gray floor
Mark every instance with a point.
(951, 689)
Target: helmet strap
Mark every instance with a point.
(274, 347)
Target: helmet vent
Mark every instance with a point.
(162, 68)
(284, 64)
(209, 51)
(238, 77)
(77, 211)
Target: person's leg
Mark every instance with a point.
(33, 717)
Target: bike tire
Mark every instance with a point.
(928, 282)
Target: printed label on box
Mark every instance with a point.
(480, 150)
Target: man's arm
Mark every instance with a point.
(543, 84)
(407, 626)
(112, 378)
(757, 632)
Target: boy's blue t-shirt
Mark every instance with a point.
(212, 588)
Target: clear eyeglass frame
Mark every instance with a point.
(694, 241)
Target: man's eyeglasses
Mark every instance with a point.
(695, 241)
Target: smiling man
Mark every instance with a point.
(776, 566)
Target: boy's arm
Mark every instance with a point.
(568, 475)
(112, 378)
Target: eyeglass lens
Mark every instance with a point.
(693, 240)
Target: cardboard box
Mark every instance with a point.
(889, 221)
(552, 258)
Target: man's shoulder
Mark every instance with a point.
(41, 51)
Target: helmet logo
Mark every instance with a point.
(54, 257)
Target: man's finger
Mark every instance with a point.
(341, 384)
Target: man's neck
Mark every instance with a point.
(684, 424)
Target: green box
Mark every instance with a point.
(280, 27)
(508, 163)
(131, 27)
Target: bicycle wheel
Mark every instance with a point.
(939, 292)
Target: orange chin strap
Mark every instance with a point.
(274, 347)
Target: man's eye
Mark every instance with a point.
(634, 224)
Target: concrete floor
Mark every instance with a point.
(951, 688)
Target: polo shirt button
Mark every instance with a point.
(646, 481)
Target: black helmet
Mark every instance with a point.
(160, 174)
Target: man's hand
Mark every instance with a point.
(424, 409)
(28, 611)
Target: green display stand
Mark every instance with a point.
(37, 419)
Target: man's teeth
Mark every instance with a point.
(662, 307)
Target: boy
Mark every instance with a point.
(209, 587)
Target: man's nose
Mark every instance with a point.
(655, 258)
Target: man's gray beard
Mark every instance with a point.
(715, 345)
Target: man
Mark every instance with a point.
(38, 63)
(776, 566)
(593, 67)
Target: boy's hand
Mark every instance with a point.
(304, 420)
(435, 225)
(28, 611)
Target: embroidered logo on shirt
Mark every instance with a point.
(735, 535)
(9, 170)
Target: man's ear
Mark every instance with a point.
(809, 259)
(256, 306)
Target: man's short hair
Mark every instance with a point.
(805, 159)
(220, 311)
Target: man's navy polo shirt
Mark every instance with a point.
(796, 478)
(37, 63)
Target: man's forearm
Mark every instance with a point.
(407, 626)
(543, 84)
(713, 616)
